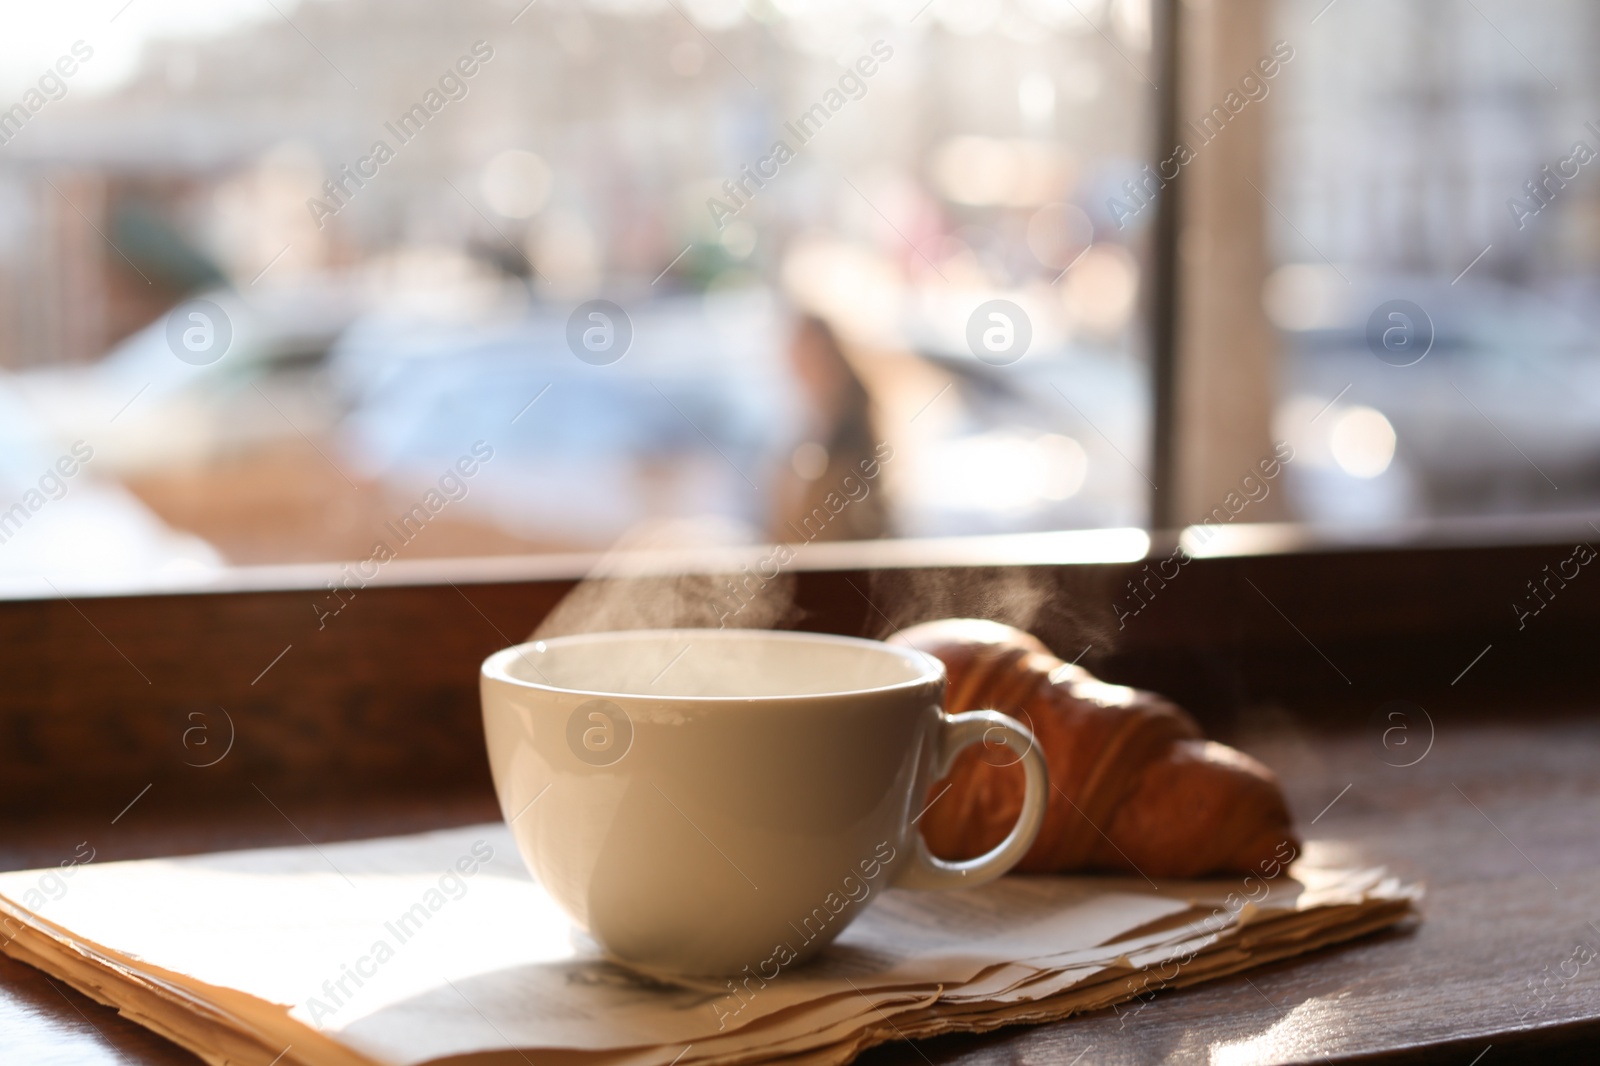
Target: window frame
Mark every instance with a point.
(111, 692)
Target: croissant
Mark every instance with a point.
(1134, 785)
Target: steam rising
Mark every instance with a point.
(706, 574)
(1024, 597)
(679, 574)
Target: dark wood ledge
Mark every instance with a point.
(110, 692)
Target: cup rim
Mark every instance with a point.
(496, 666)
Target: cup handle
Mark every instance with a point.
(957, 732)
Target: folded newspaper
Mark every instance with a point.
(439, 948)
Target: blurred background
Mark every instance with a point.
(367, 316)
(1400, 157)
(373, 345)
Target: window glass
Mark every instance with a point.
(1438, 253)
(325, 280)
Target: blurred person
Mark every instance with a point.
(832, 488)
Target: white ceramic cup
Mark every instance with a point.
(702, 800)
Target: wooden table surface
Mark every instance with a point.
(1500, 819)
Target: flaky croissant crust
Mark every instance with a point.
(1134, 786)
